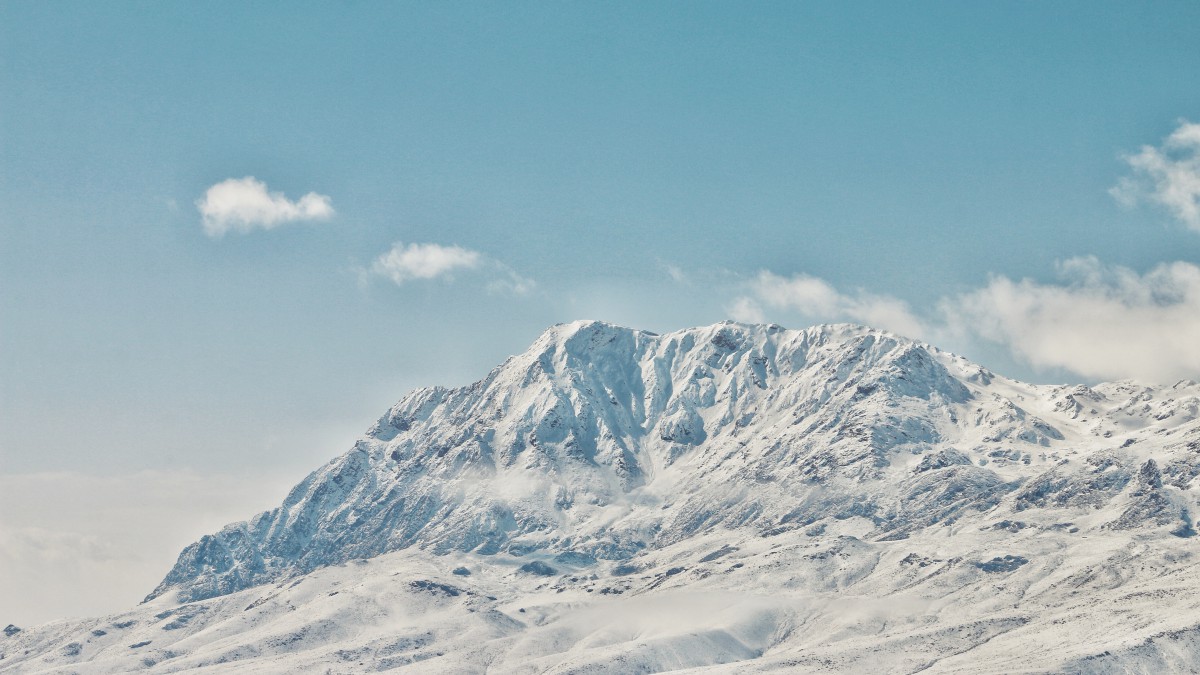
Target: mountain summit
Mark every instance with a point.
(600, 441)
(795, 478)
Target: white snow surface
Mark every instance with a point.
(731, 498)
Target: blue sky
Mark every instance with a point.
(967, 173)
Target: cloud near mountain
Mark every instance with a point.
(1098, 321)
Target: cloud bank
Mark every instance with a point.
(245, 204)
(1168, 175)
(1098, 321)
(425, 261)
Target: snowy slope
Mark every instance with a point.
(827, 500)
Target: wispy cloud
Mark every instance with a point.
(424, 261)
(815, 298)
(675, 272)
(1168, 175)
(1098, 321)
(507, 282)
(245, 204)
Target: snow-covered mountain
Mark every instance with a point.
(612, 500)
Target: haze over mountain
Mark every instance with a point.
(611, 500)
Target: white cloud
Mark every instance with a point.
(1168, 175)
(1101, 322)
(1097, 321)
(815, 298)
(746, 310)
(424, 261)
(801, 292)
(245, 204)
(407, 262)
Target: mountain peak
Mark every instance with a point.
(803, 469)
(602, 442)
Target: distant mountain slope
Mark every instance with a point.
(731, 498)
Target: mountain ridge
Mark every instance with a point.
(592, 414)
